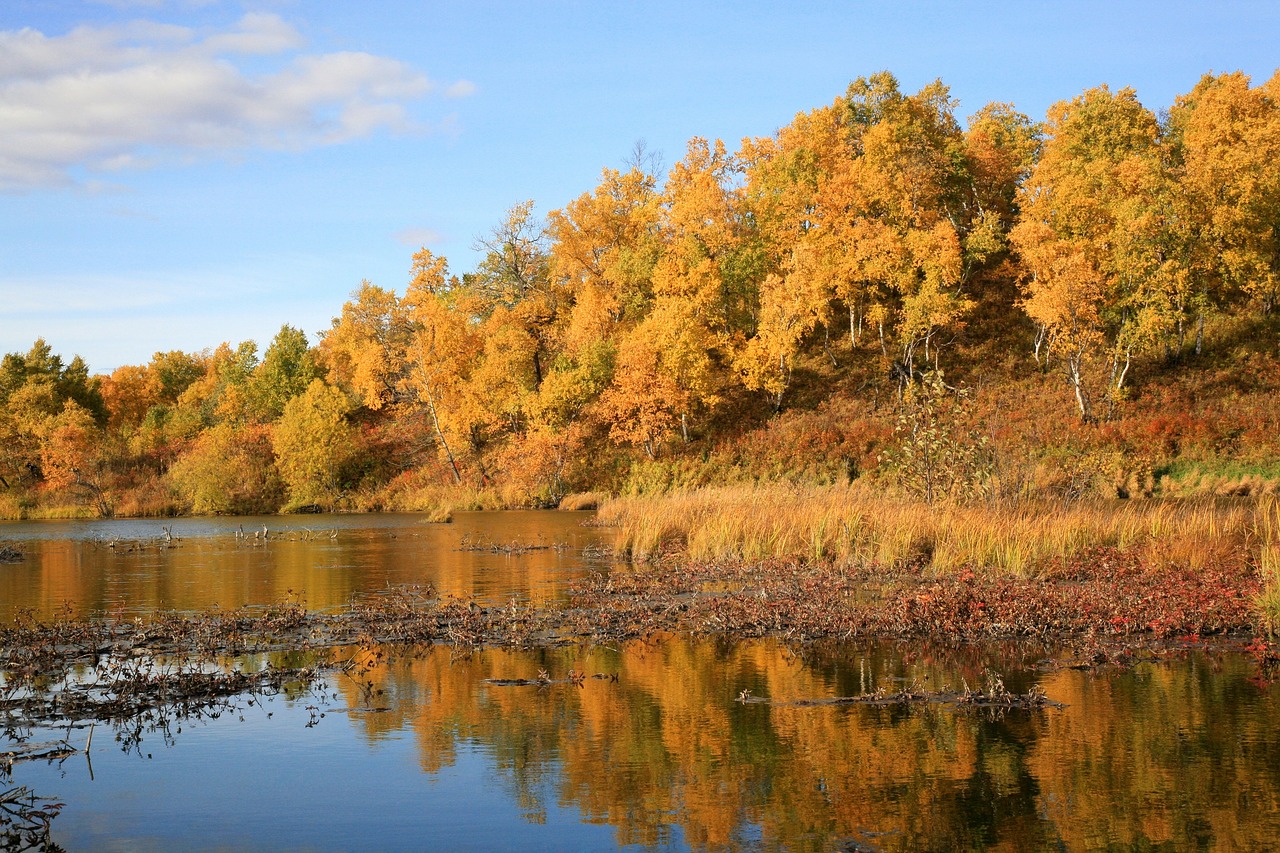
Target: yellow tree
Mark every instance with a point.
(72, 455)
(791, 306)
(1064, 297)
(158, 386)
(800, 261)
(1084, 284)
(42, 400)
(696, 309)
(515, 275)
(229, 469)
(644, 402)
(443, 348)
(1223, 141)
(1001, 146)
(220, 395)
(888, 209)
(783, 175)
(366, 347)
(128, 394)
(604, 246)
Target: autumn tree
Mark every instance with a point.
(696, 310)
(128, 394)
(175, 371)
(892, 216)
(72, 455)
(366, 347)
(604, 246)
(444, 346)
(1001, 146)
(798, 270)
(1223, 146)
(1085, 267)
(515, 276)
(42, 401)
(791, 306)
(644, 402)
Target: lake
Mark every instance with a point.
(429, 750)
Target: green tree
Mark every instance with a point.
(229, 469)
(313, 442)
(287, 370)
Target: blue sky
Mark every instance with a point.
(178, 173)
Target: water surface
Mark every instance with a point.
(426, 751)
(91, 568)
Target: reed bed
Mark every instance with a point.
(1268, 600)
(852, 526)
(582, 500)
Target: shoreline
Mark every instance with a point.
(1109, 611)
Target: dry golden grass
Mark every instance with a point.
(583, 500)
(852, 526)
(444, 500)
(1268, 534)
(13, 507)
(16, 510)
(1268, 601)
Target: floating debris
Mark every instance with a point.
(25, 819)
(994, 695)
(510, 548)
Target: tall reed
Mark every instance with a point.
(1268, 600)
(853, 526)
(1267, 531)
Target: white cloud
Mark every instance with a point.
(461, 89)
(418, 237)
(105, 99)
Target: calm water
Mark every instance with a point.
(74, 565)
(1170, 756)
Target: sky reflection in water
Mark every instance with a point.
(426, 753)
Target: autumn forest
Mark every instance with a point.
(879, 293)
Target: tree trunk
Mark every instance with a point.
(444, 443)
(1042, 335)
(1075, 364)
(1124, 371)
(855, 326)
(826, 345)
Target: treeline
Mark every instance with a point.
(861, 247)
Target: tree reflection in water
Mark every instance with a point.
(1184, 753)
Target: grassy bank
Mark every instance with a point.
(850, 526)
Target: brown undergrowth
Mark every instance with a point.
(1106, 593)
